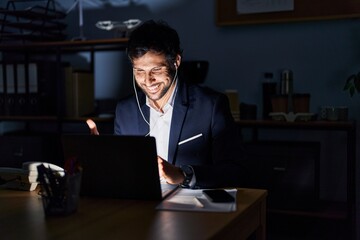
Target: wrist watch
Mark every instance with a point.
(188, 174)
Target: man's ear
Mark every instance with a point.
(177, 61)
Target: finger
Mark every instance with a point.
(92, 126)
(161, 168)
(95, 131)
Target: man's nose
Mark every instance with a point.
(148, 78)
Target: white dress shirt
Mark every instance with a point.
(160, 123)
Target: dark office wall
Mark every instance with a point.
(321, 54)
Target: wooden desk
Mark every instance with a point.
(22, 217)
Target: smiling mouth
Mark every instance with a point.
(153, 88)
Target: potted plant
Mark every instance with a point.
(352, 84)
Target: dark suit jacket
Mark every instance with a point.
(215, 156)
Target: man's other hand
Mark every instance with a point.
(171, 173)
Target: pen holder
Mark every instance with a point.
(62, 199)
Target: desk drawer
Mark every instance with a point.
(288, 170)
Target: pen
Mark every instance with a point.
(198, 202)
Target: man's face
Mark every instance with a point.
(151, 75)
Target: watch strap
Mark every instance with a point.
(189, 175)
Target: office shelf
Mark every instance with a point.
(35, 23)
(25, 52)
(91, 45)
(35, 13)
(38, 136)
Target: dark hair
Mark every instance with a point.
(157, 37)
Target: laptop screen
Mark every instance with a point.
(115, 166)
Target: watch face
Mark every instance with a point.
(187, 170)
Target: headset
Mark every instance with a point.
(137, 98)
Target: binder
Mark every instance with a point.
(20, 99)
(33, 97)
(10, 89)
(2, 90)
(33, 89)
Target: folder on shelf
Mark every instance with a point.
(20, 99)
(2, 90)
(10, 89)
(79, 93)
(33, 97)
(31, 88)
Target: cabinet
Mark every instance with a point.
(327, 210)
(53, 123)
(289, 170)
(27, 52)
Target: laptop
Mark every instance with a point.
(117, 166)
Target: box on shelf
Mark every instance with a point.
(79, 93)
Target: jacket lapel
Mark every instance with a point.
(180, 109)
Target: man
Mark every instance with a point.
(196, 137)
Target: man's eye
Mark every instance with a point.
(139, 71)
(156, 70)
